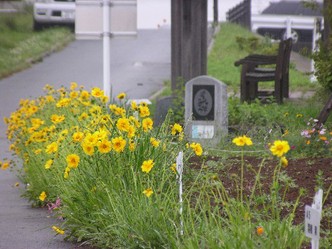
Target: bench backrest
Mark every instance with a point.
(282, 67)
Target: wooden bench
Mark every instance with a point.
(252, 73)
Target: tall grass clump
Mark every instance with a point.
(112, 170)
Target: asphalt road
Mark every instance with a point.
(139, 67)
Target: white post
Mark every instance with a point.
(313, 215)
(179, 170)
(315, 38)
(288, 28)
(317, 204)
(106, 49)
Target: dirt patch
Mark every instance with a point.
(308, 173)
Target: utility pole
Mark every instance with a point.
(188, 40)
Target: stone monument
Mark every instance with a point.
(206, 112)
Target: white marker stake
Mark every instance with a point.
(179, 169)
(313, 216)
(106, 49)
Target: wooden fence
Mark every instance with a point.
(241, 14)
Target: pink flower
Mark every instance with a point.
(51, 206)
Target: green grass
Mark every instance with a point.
(20, 46)
(226, 51)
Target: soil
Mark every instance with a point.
(304, 172)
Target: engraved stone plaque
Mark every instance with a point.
(203, 102)
(206, 112)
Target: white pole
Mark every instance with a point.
(317, 204)
(288, 28)
(179, 169)
(106, 49)
(315, 38)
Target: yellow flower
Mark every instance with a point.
(119, 144)
(36, 122)
(38, 151)
(51, 148)
(147, 166)
(101, 134)
(147, 124)
(73, 85)
(88, 148)
(4, 165)
(119, 111)
(154, 142)
(134, 105)
(42, 196)
(299, 115)
(279, 148)
(144, 111)
(73, 160)
(49, 98)
(63, 102)
(121, 96)
(85, 95)
(284, 161)
(74, 94)
(97, 92)
(123, 124)
(323, 138)
(83, 116)
(104, 99)
(132, 145)
(91, 139)
(94, 110)
(259, 230)
(176, 129)
(48, 164)
(57, 118)
(104, 119)
(134, 121)
(63, 133)
(58, 230)
(78, 136)
(173, 167)
(131, 131)
(197, 148)
(66, 174)
(104, 146)
(242, 141)
(148, 192)
(308, 142)
(285, 133)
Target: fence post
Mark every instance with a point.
(288, 28)
(315, 37)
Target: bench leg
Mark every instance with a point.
(285, 87)
(278, 92)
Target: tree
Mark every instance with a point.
(327, 12)
(189, 40)
(323, 57)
